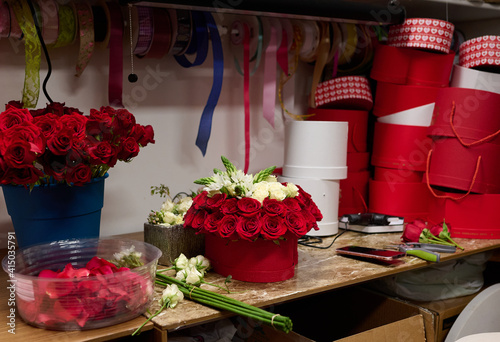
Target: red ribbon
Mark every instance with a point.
(115, 81)
(246, 92)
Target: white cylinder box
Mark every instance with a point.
(325, 193)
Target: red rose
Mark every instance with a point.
(314, 210)
(216, 201)
(272, 227)
(309, 218)
(14, 116)
(296, 223)
(230, 206)
(274, 207)
(60, 143)
(436, 229)
(129, 148)
(79, 175)
(143, 134)
(26, 175)
(200, 201)
(212, 221)
(25, 131)
(103, 153)
(413, 230)
(76, 124)
(189, 216)
(227, 226)
(199, 219)
(292, 204)
(248, 228)
(18, 154)
(249, 206)
(49, 124)
(99, 123)
(54, 166)
(125, 121)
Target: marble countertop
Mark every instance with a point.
(318, 270)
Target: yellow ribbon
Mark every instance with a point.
(32, 51)
(67, 26)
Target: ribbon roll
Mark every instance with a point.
(348, 48)
(255, 45)
(50, 20)
(31, 89)
(273, 28)
(145, 31)
(205, 126)
(15, 28)
(282, 53)
(183, 24)
(199, 42)
(321, 59)
(481, 52)
(86, 33)
(310, 35)
(67, 26)
(162, 35)
(5, 21)
(115, 82)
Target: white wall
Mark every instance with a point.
(173, 108)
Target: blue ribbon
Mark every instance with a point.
(199, 42)
(205, 126)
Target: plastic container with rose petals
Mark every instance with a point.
(54, 289)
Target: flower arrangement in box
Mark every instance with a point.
(59, 144)
(247, 213)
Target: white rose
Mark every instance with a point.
(276, 191)
(185, 204)
(167, 206)
(172, 294)
(170, 218)
(181, 262)
(271, 179)
(193, 276)
(200, 262)
(261, 191)
(291, 190)
(179, 219)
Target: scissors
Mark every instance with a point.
(425, 251)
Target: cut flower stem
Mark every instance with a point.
(222, 302)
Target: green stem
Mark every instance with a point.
(220, 287)
(137, 331)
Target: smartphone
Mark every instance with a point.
(370, 253)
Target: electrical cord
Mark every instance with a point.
(310, 241)
(44, 48)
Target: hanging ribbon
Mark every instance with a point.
(115, 77)
(33, 53)
(269, 89)
(67, 26)
(205, 126)
(86, 32)
(282, 54)
(257, 56)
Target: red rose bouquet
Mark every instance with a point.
(235, 206)
(59, 144)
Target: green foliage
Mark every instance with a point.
(262, 175)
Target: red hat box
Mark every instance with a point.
(475, 114)
(418, 116)
(358, 161)
(400, 147)
(325, 194)
(457, 167)
(358, 125)
(316, 149)
(394, 98)
(354, 193)
(384, 174)
(412, 67)
(409, 200)
(472, 217)
(422, 33)
(480, 52)
(346, 92)
(475, 79)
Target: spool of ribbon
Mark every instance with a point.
(86, 33)
(322, 53)
(199, 42)
(284, 45)
(480, 52)
(162, 35)
(15, 27)
(33, 53)
(145, 30)
(348, 48)
(205, 126)
(4, 20)
(115, 78)
(272, 30)
(182, 22)
(50, 20)
(256, 42)
(67, 26)
(310, 40)
(422, 33)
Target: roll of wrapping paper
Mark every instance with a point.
(467, 113)
(480, 52)
(400, 147)
(408, 200)
(33, 53)
(347, 92)
(411, 67)
(475, 79)
(394, 98)
(422, 33)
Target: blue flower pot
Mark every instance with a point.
(55, 212)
